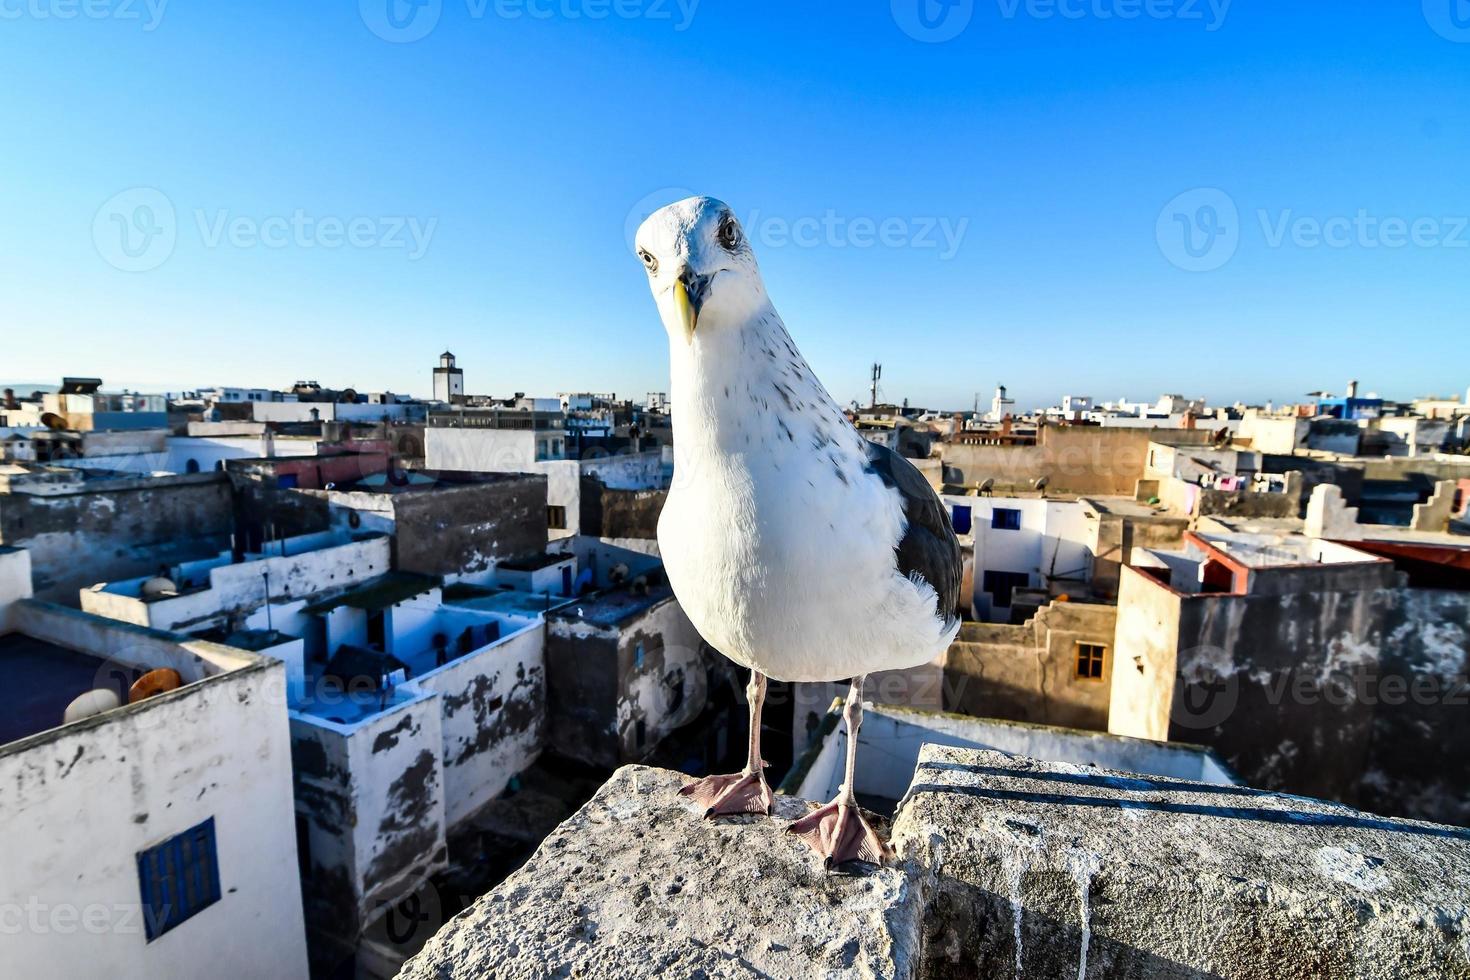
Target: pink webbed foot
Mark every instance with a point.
(839, 834)
(724, 795)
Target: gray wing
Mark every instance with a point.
(929, 549)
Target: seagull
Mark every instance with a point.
(796, 547)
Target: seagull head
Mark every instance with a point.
(700, 267)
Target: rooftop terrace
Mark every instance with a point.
(42, 679)
(615, 606)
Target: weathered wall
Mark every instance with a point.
(598, 693)
(116, 529)
(464, 530)
(582, 690)
(373, 794)
(80, 802)
(1113, 537)
(620, 514)
(1078, 459)
(1028, 673)
(494, 718)
(625, 471)
(668, 689)
(1145, 655)
(1356, 696)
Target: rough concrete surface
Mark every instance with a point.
(638, 884)
(1010, 868)
(1117, 875)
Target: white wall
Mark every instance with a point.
(240, 587)
(485, 744)
(890, 739)
(80, 802)
(15, 580)
(209, 451)
(1052, 540)
(477, 450)
(629, 471)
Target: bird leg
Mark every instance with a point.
(838, 831)
(745, 791)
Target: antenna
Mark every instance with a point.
(877, 374)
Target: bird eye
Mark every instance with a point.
(649, 262)
(729, 234)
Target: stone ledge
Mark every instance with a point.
(1144, 877)
(1148, 877)
(637, 884)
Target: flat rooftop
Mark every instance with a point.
(1265, 550)
(508, 602)
(614, 607)
(1128, 507)
(42, 679)
(532, 563)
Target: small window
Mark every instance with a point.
(1090, 657)
(640, 734)
(1001, 585)
(178, 878)
(960, 518)
(191, 466)
(638, 657)
(1005, 519)
(556, 518)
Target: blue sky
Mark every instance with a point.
(1009, 204)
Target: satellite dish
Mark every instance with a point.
(53, 421)
(988, 485)
(157, 587)
(91, 703)
(1041, 484)
(153, 683)
(619, 573)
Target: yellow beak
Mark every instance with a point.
(687, 316)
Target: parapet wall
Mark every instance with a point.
(1008, 867)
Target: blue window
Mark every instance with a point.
(178, 878)
(960, 518)
(1005, 519)
(638, 656)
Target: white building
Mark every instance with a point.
(1020, 543)
(250, 593)
(151, 838)
(407, 712)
